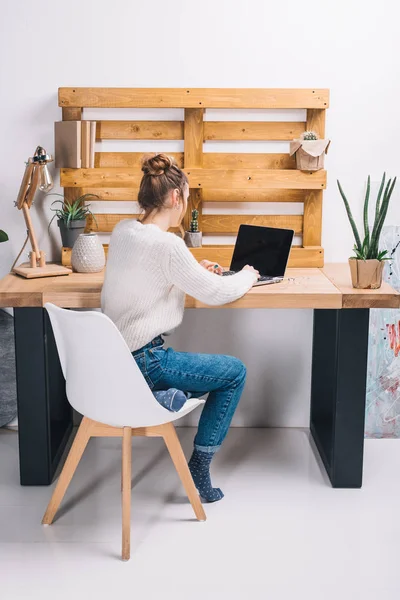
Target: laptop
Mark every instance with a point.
(266, 249)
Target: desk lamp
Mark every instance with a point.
(36, 176)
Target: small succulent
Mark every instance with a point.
(3, 236)
(309, 135)
(194, 224)
(367, 248)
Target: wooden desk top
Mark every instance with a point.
(329, 287)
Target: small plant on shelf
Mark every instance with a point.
(194, 223)
(367, 264)
(3, 236)
(193, 237)
(71, 217)
(309, 136)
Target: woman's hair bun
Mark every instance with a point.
(157, 164)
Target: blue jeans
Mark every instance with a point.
(223, 377)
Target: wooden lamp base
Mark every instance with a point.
(48, 270)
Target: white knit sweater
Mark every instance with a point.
(147, 275)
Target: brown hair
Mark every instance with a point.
(161, 174)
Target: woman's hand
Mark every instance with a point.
(212, 266)
(252, 269)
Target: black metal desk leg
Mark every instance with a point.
(338, 388)
(44, 415)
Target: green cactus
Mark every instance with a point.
(194, 224)
(309, 135)
(369, 248)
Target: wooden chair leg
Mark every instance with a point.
(126, 492)
(175, 449)
(75, 454)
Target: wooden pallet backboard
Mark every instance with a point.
(213, 176)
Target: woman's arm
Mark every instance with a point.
(195, 280)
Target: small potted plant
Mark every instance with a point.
(193, 237)
(367, 265)
(3, 236)
(71, 217)
(309, 151)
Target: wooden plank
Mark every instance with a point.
(384, 297)
(113, 194)
(231, 223)
(139, 130)
(193, 157)
(252, 130)
(105, 223)
(71, 114)
(312, 232)
(209, 195)
(221, 178)
(128, 159)
(247, 160)
(299, 257)
(316, 122)
(101, 97)
(216, 195)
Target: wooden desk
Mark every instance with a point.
(338, 373)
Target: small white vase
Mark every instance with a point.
(88, 254)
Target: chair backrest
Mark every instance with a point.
(103, 381)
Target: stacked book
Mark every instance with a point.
(74, 144)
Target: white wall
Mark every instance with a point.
(348, 46)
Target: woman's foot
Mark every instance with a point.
(199, 466)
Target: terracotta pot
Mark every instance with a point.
(366, 274)
(193, 239)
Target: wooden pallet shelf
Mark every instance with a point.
(213, 176)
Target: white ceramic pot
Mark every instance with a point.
(88, 254)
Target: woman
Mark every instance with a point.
(148, 273)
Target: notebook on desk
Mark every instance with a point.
(266, 249)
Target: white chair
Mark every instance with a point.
(105, 385)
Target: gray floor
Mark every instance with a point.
(8, 394)
(281, 532)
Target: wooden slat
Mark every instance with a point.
(126, 194)
(221, 178)
(105, 223)
(299, 257)
(231, 223)
(252, 130)
(72, 114)
(316, 122)
(216, 195)
(313, 219)
(139, 130)
(101, 97)
(209, 195)
(193, 157)
(128, 159)
(233, 160)
(211, 160)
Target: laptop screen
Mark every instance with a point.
(264, 248)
